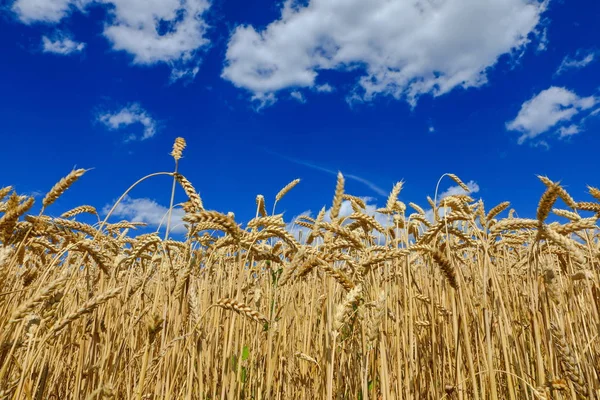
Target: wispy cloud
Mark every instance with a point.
(369, 184)
(297, 95)
(580, 60)
(261, 101)
(543, 39)
(130, 115)
(324, 88)
(61, 44)
(356, 178)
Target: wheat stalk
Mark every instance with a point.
(286, 189)
(61, 186)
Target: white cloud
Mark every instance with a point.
(543, 40)
(61, 44)
(541, 143)
(580, 60)
(48, 11)
(152, 31)
(263, 100)
(547, 109)
(148, 211)
(402, 48)
(570, 130)
(296, 95)
(324, 88)
(132, 114)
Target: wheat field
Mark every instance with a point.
(473, 303)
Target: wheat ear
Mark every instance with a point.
(62, 185)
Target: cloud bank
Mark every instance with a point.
(401, 48)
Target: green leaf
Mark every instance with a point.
(245, 353)
(275, 274)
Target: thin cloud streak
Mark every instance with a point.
(371, 185)
(308, 164)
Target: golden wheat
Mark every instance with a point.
(62, 185)
(361, 304)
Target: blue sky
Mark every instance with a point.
(495, 91)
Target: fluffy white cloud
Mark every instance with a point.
(570, 130)
(49, 11)
(547, 109)
(132, 114)
(148, 211)
(61, 44)
(152, 31)
(580, 60)
(403, 48)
